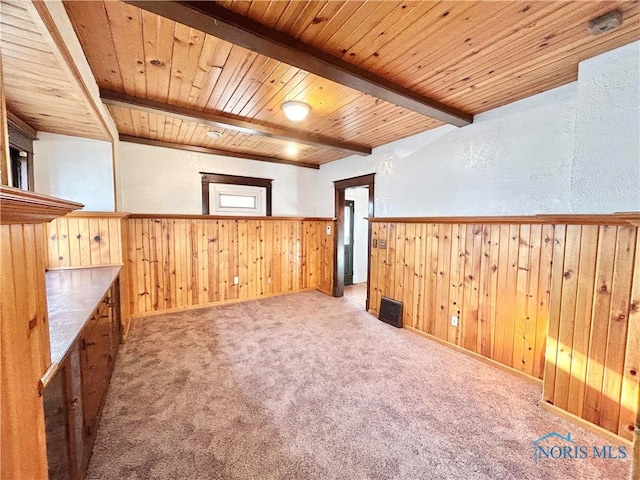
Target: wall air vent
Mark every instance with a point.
(391, 312)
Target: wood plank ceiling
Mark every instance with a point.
(39, 86)
(472, 56)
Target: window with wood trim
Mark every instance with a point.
(235, 195)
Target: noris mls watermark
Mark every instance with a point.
(554, 446)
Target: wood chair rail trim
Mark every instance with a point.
(21, 206)
(632, 218)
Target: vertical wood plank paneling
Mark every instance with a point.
(373, 274)
(181, 262)
(531, 314)
(431, 312)
(522, 288)
(555, 302)
(598, 335)
(409, 272)
(24, 342)
(459, 260)
(618, 326)
(567, 315)
(483, 345)
(502, 267)
(630, 398)
(444, 275)
(493, 288)
(542, 300)
(420, 285)
(84, 239)
(582, 329)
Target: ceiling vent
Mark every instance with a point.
(606, 22)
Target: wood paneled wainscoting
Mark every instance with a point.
(183, 261)
(554, 298)
(92, 239)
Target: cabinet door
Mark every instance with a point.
(95, 364)
(55, 415)
(79, 454)
(114, 312)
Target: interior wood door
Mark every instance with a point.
(349, 211)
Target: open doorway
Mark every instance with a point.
(353, 203)
(355, 243)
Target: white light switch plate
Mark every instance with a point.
(236, 280)
(454, 321)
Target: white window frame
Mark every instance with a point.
(217, 190)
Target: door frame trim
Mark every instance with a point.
(338, 239)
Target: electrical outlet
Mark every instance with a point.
(269, 280)
(328, 229)
(454, 321)
(236, 280)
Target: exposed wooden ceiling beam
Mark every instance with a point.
(230, 123)
(211, 18)
(215, 151)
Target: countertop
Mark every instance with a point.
(72, 297)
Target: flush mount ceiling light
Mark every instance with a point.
(291, 150)
(295, 110)
(213, 134)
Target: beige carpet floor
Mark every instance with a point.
(307, 386)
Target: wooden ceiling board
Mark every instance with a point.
(538, 78)
(431, 47)
(136, 123)
(472, 56)
(208, 74)
(38, 84)
(533, 48)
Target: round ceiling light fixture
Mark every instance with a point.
(213, 134)
(291, 150)
(295, 110)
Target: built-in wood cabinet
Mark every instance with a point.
(99, 346)
(75, 390)
(58, 341)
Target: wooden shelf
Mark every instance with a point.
(20, 206)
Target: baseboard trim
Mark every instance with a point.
(581, 422)
(215, 304)
(477, 356)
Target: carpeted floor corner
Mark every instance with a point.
(306, 386)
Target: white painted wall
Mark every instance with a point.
(163, 180)
(606, 170)
(571, 149)
(512, 160)
(361, 231)
(73, 168)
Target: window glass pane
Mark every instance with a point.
(237, 201)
